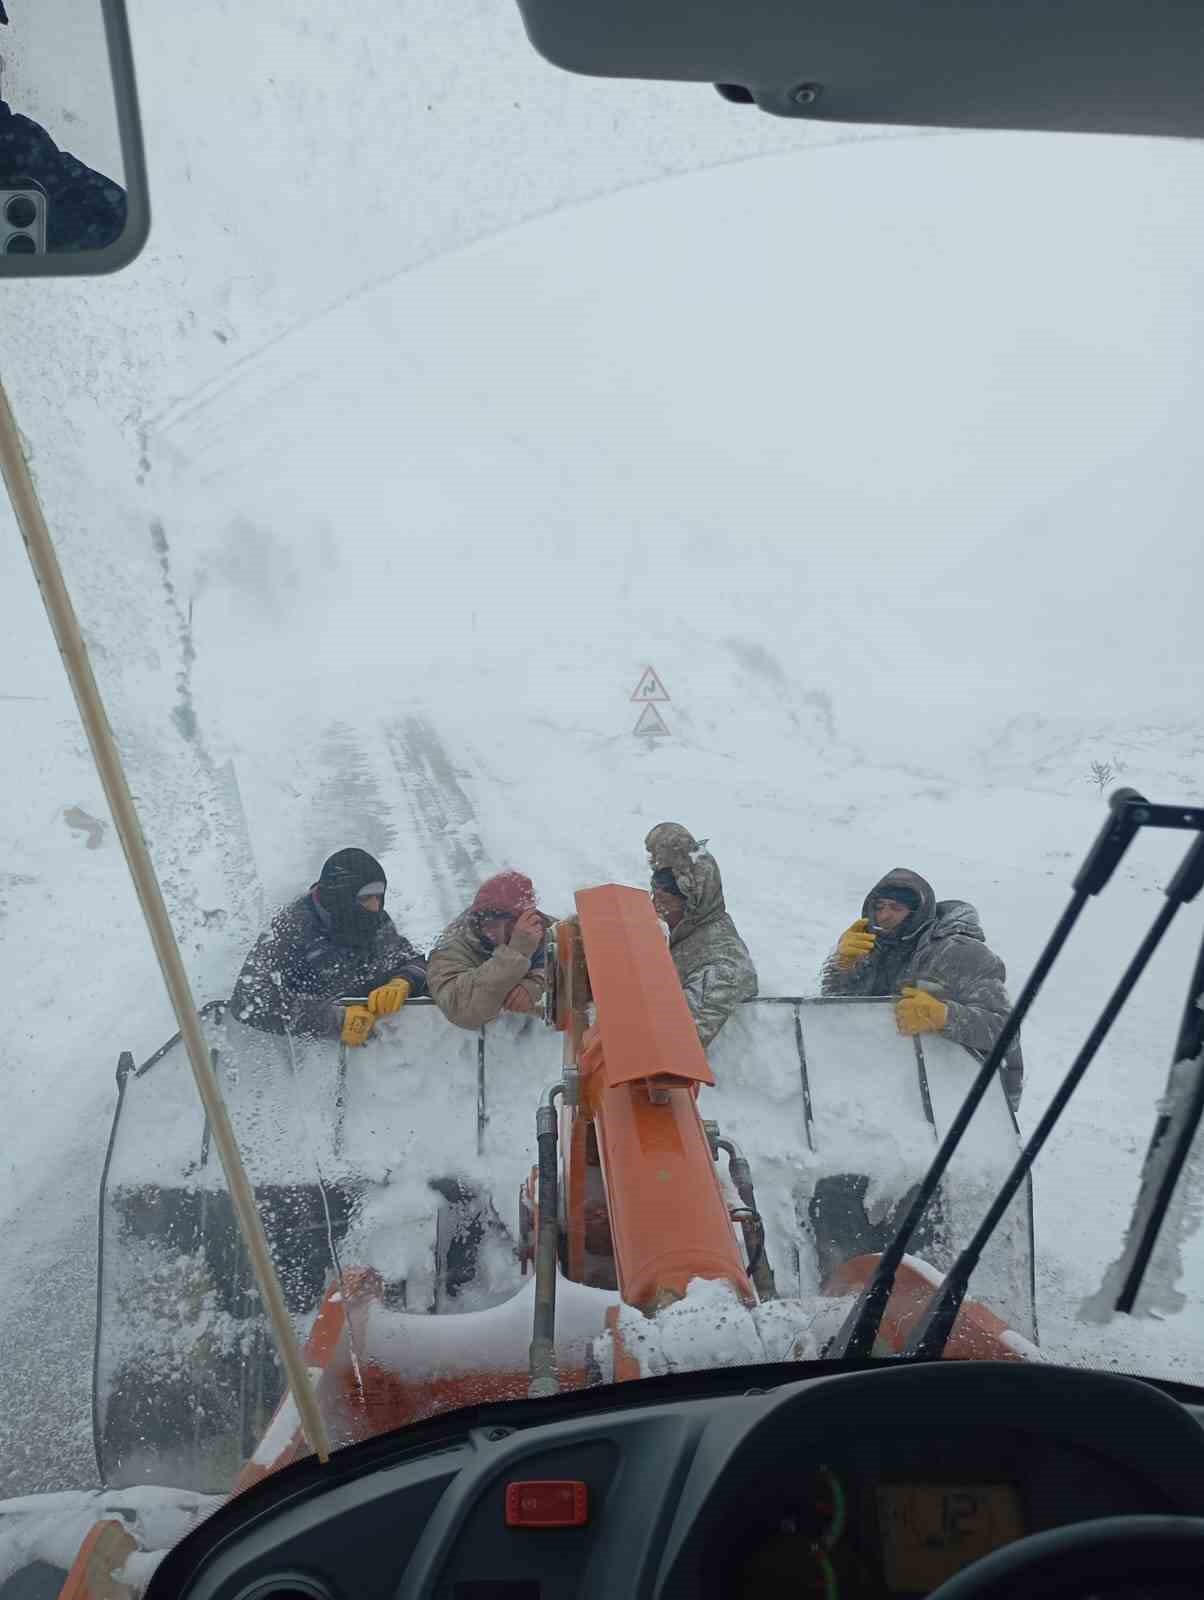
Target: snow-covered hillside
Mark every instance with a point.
(448, 395)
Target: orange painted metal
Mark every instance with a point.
(978, 1334)
(322, 1350)
(642, 1015)
(641, 1063)
(104, 1551)
(389, 1402)
(574, 1131)
(626, 1366)
(374, 1401)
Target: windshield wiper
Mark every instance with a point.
(1174, 1135)
(1129, 811)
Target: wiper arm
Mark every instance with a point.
(1128, 812)
(931, 1334)
(1174, 1135)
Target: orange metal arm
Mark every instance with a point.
(640, 1066)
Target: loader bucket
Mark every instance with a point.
(366, 1158)
(841, 1116)
(408, 1157)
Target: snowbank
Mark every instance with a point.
(497, 1339)
(711, 1327)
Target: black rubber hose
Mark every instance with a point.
(740, 1173)
(542, 1360)
(753, 1229)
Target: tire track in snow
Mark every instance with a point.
(444, 817)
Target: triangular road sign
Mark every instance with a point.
(650, 687)
(651, 722)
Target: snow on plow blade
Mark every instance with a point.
(408, 1157)
(389, 1156)
(840, 1116)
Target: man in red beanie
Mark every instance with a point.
(491, 958)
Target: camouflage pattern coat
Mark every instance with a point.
(940, 947)
(711, 958)
(469, 978)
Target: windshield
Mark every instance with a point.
(479, 468)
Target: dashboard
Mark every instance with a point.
(899, 1514)
(874, 1483)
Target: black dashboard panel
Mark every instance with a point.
(881, 1480)
(899, 1513)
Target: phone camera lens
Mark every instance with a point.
(20, 211)
(20, 245)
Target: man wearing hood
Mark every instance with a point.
(491, 958)
(711, 958)
(336, 940)
(932, 954)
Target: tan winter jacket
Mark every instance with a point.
(468, 981)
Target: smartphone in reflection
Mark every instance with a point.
(23, 209)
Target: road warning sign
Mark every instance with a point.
(649, 688)
(651, 723)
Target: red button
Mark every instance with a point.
(561, 1503)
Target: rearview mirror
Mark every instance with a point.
(1082, 66)
(72, 174)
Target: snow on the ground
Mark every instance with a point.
(373, 519)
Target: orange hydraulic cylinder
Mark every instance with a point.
(640, 1065)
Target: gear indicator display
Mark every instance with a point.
(932, 1530)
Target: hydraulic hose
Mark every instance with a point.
(542, 1358)
(750, 1221)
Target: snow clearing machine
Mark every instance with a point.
(442, 1248)
(679, 1213)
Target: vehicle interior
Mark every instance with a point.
(647, 1354)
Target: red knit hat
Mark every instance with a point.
(511, 893)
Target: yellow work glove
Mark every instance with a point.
(854, 944)
(390, 997)
(358, 1023)
(920, 1012)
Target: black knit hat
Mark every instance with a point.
(903, 893)
(353, 870)
(344, 878)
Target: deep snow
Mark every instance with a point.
(383, 478)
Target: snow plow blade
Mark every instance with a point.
(841, 1115)
(371, 1157)
(408, 1157)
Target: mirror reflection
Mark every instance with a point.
(61, 175)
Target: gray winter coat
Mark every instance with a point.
(711, 958)
(940, 947)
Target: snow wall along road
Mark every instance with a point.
(409, 1156)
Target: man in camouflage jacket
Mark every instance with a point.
(933, 955)
(711, 958)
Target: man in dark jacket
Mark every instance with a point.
(336, 940)
(932, 954)
(711, 958)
